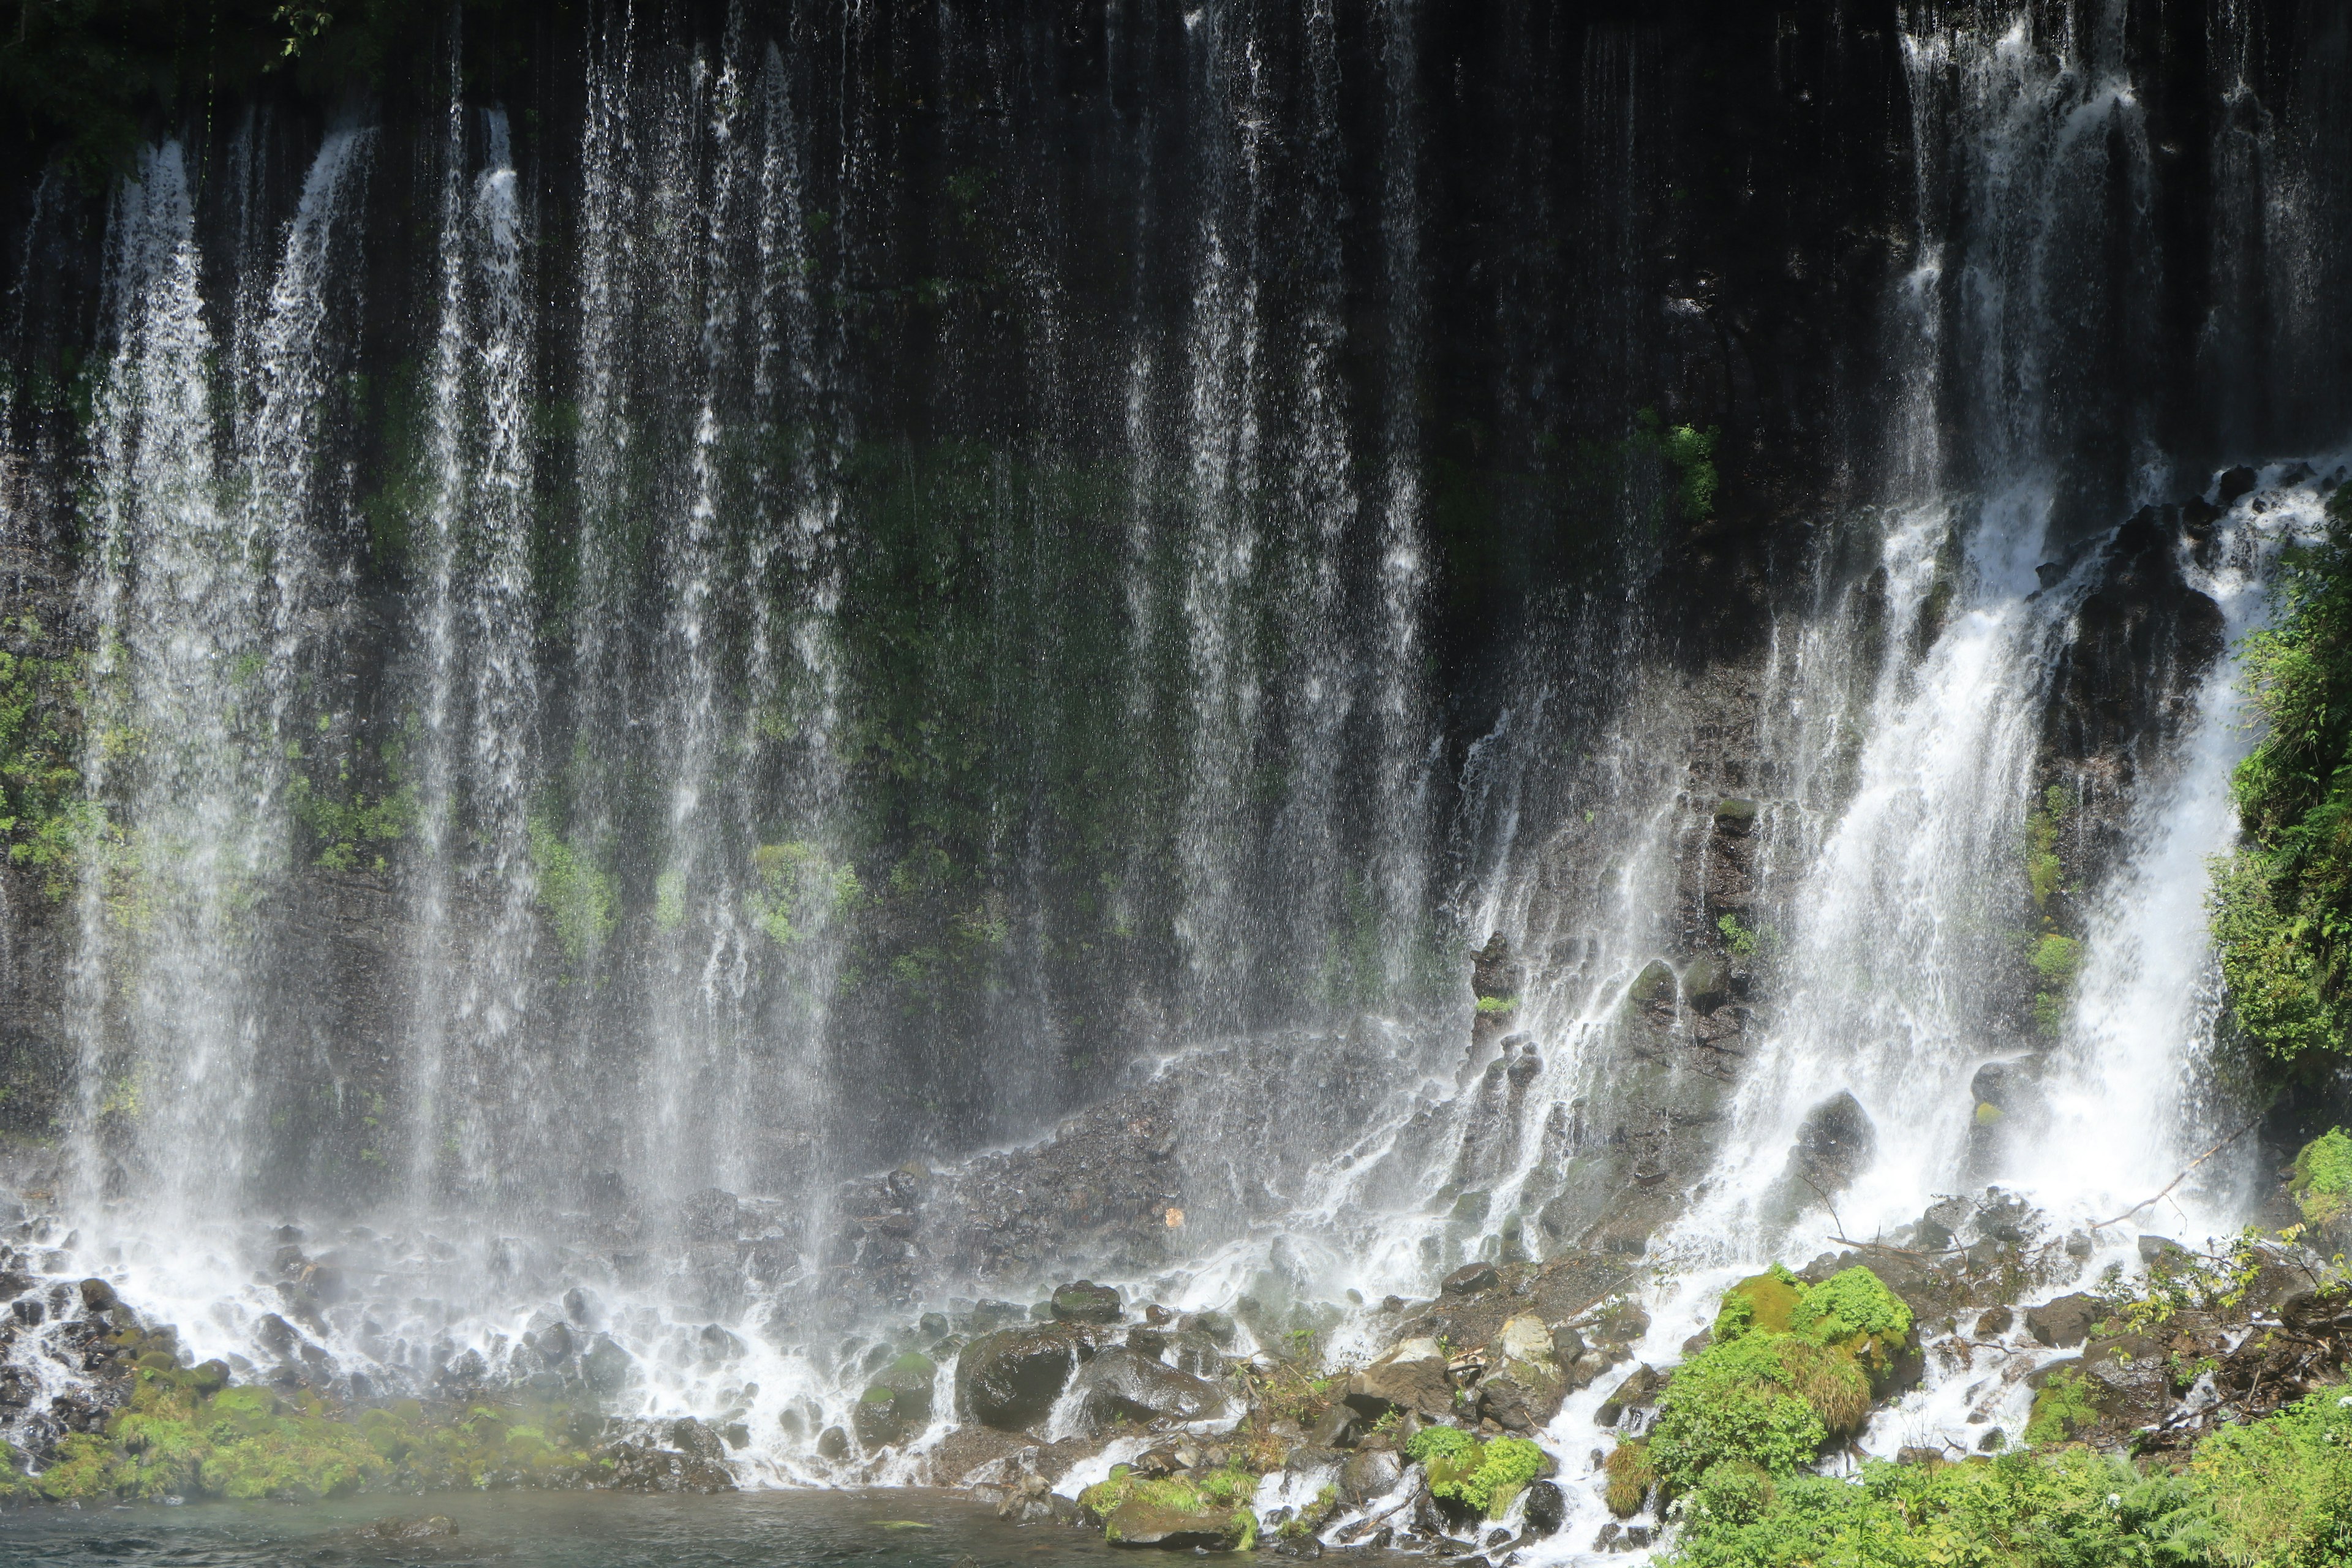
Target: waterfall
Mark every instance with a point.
(733, 645)
(474, 1101)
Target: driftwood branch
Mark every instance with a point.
(2185, 1170)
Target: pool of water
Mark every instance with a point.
(894, 1529)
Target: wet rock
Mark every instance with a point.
(1338, 1428)
(2160, 1250)
(1411, 1377)
(1706, 983)
(404, 1531)
(1492, 971)
(98, 1296)
(2065, 1322)
(1834, 1143)
(644, 1467)
(1655, 986)
(1086, 1302)
(1994, 1322)
(1524, 1383)
(1638, 1391)
(1010, 1379)
(1137, 1522)
(833, 1443)
(1547, 1508)
(2235, 484)
(606, 1366)
(1120, 1385)
(713, 1214)
(1734, 816)
(2318, 1313)
(898, 1404)
(1471, 1278)
(1369, 1473)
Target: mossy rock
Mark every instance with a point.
(1208, 1510)
(1655, 986)
(1765, 1301)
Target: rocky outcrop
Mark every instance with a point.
(1010, 1379)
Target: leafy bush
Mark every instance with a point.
(1440, 1443)
(2282, 1488)
(1730, 1402)
(2061, 1407)
(2282, 906)
(1851, 1304)
(2074, 1511)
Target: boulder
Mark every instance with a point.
(1120, 1385)
(2235, 484)
(1525, 1382)
(898, 1404)
(1705, 983)
(1138, 1523)
(1011, 1378)
(1638, 1391)
(2066, 1321)
(833, 1443)
(1085, 1302)
(1411, 1377)
(1655, 986)
(1547, 1508)
(1471, 1278)
(605, 1365)
(1834, 1143)
(1734, 816)
(1369, 1473)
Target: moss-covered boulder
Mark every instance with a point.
(1471, 1479)
(1086, 1302)
(898, 1404)
(1789, 1366)
(1208, 1510)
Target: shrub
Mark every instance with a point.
(1851, 1304)
(2061, 1409)
(1631, 1477)
(1730, 1403)
(2322, 1184)
(1440, 1443)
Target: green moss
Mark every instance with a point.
(800, 890)
(580, 896)
(1480, 1476)
(1440, 1443)
(1788, 1366)
(1498, 1004)
(2063, 1408)
(2322, 1180)
(183, 1434)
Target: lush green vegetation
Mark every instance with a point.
(1482, 1477)
(2322, 1181)
(2282, 904)
(186, 1433)
(1217, 1500)
(1790, 1365)
(43, 813)
(2275, 1493)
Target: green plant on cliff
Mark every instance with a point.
(2043, 869)
(2282, 905)
(799, 891)
(580, 896)
(1482, 1477)
(40, 746)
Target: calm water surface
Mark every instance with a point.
(895, 1528)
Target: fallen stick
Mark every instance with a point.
(2176, 1181)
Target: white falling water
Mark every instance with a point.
(474, 1104)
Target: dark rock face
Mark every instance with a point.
(1834, 1143)
(1471, 1278)
(1547, 1508)
(1086, 1302)
(1120, 1385)
(2066, 1321)
(1011, 1378)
